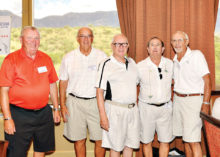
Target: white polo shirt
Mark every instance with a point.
(152, 88)
(80, 71)
(189, 71)
(119, 80)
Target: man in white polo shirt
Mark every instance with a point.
(192, 89)
(119, 114)
(77, 79)
(155, 74)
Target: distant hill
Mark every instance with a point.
(100, 18)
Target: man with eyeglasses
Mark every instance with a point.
(116, 95)
(77, 80)
(192, 90)
(155, 75)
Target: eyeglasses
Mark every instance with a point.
(160, 74)
(120, 44)
(177, 40)
(85, 36)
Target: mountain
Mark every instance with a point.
(100, 18)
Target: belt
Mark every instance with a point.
(185, 95)
(81, 97)
(158, 105)
(30, 110)
(121, 105)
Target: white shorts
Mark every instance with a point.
(83, 114)
(124, 128)
(157, 119)
(186, 117)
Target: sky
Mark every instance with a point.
(44, 8)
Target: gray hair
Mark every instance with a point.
(28, 27)
(186, 36)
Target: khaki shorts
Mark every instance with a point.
(124, 128)
(157, 119)
(83, 114)
(186, 117)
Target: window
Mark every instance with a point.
(217, 51)
(59, 21)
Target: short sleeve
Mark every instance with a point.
(52, 75)
(102, 75)
(64, 69)
(202, 66)
(7, 72)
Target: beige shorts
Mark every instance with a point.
(83, 114)
(157, 119)
(124, 128)
(186, 117)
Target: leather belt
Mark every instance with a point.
(158, 105)
(81, 97)
(121, 105)
(185, 95)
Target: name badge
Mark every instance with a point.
(42, 69)
(92, 67)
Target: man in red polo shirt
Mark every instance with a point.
(27, 77)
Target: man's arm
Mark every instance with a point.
(103, 117)
(54, 99)
(207, 94)
(62, 91)
(9, 125)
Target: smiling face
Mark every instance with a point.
(85, 39)
(179, 42)
(155, 48)
(30, 41)
(120, 46)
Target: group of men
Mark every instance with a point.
(100, 93)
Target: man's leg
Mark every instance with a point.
(164, 149)
(99, 151)
(80, 148)
(114, 153)
(39, 154)
(196, 149)
(188, 150)
(127, 152)
(147, 149)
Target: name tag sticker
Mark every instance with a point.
(42, 69)
(92, 67)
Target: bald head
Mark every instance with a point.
(84, 29)
(119, 36)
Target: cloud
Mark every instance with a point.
(14, 6)
(59, 7)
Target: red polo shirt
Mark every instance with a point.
(29, 79)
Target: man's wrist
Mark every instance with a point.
(7, 118)
(206, 102)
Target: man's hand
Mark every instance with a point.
(205, 108)
(64, 113)
(104, 122)
(9, 127)
(56, 116)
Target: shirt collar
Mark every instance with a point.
(162, 61)
(90, 54)
(23, 53)
(120, 63)
(185, 57)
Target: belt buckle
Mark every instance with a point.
(131, 105)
